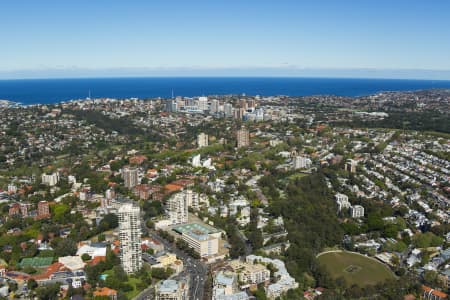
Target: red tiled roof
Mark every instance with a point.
(104, 291)
(172, 187)
(434, 292)
(96, 260)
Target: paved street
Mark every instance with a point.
(194, 270)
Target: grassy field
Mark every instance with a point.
(355, 268)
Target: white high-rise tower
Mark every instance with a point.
(130, 238)
(177, 207)
(202, 140)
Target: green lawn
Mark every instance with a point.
(298, 176)
(132, 281)
(355, 268)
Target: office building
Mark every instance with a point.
(203, 244)
(202, 140)
(203, 239)
(243, 138)
(130, 237)
(130, 177)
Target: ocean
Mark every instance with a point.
(45, 91)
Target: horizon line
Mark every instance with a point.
(224, 76)
(222, 72)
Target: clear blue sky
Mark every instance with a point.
(94, 35)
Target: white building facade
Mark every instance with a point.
(130, 237)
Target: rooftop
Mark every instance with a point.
(168, 286)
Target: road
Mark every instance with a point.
(194, 270)
(248, 245)
(147, 294)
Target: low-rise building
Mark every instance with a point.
(202, 239)
(357, 211)
(249, 273)
(171, 290)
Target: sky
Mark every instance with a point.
(359, 38)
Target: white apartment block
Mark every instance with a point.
(357, 211)
(284, 281)
(228, 109)
(342, 201)
(12, 189)
(196, 161)
(214, 106)
(350, 165)
(301, 162)
(204, 245)
(50, 180)
(130, 237)
(177, 208)
(202, 140)
(195, 200)
(203, 103)
(250, 273)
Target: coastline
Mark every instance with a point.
(53, 91)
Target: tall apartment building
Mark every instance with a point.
(214, 106)
(43, 210)
(130, 237)
(202, 140)
(239, 113)
(171, 106)
(350, 165)
(50, 180)
(25, 209)
(243, 104)
(177, 208)
(301, 162)
(228, 109)
(243, 138)
(130, 176)
(203, 103)
(251, 104)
